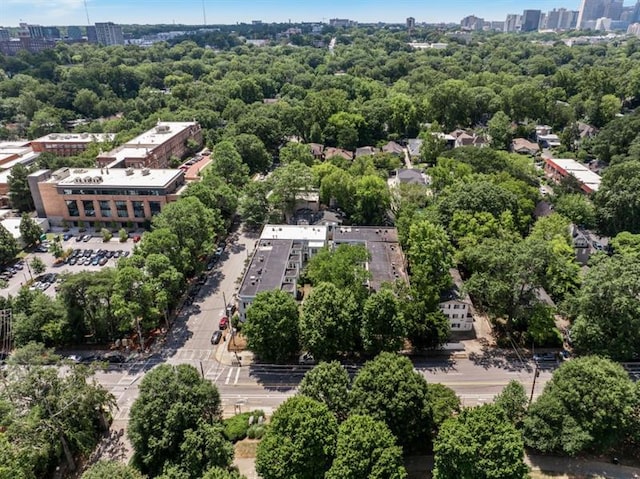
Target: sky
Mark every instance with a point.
(72, 12)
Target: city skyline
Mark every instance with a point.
(72, 12)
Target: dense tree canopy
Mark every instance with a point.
(328, 383)
(586, 406)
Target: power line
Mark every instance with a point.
(87, 12)
(204, 14)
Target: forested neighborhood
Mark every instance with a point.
(398, 202)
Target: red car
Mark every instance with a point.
(136, 238)
(224, 322)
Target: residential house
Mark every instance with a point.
(317, 150)
(586, 130)
(410, 176)
(523, 146)
(330, 151)
(366, 151)
(393, 148)
(462, 138)
(456, 305)
(414, 145)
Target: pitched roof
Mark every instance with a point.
(393, 147)
(520, 145)
(366, 151)
(410, 176)
(330, 151)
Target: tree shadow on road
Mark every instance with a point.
(275, 377)
(492, 357)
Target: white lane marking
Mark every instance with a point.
(228, 376)
(237, 375)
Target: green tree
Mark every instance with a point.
(134, 300)
(329, 322)
(343, 129)
(328, 383)
(430, 257)
(271, 327)
(444, 403)
(19, 192)
(288, 182)
(228, 165)
(372, 200)
(300, 441)
(343, 267)
(605, 311)
(390, 390)
(253, 152)
(172, 401)
(513, 401)
(626, 243)
(123, 236)
(578, 208)
(204, 447)
(616, 205)
(37, 265)
(500, 131)
(479, 443)
(383, 327)
(366, 448)
(220, 473)
(433, 145)
(254, 205)
(85, 102)
(8, 246)
(110, 469)
(296, 152)
(29, 230)
(586, 406)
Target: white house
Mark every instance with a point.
(456, 306)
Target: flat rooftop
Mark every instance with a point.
(362, 234)
(76, 137)
(312, 233)
(116, 177)
(267, 268)
(579, 171)
(163, 131)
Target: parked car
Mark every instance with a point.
(103, 261)
(136, 238)
(79, 238)
(67, 236)
(231, 308)
(544, 357)
(306, 359)
(72, 261)
(19, 265)
(86, 238)
(224, 323)
(211, 264)
(217, 336)
(125, 253)
(114, 357)
(95, 261)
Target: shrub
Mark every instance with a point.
(236, 428)
(123, 235)
(256, 431)
(106, 235)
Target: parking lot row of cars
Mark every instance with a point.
(10, 271)
(88, 257)
(44, 282)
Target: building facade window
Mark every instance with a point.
(155, 207)
(89, 208)
(138, 209)
(105, 209)
(121, 208)
(72, 208)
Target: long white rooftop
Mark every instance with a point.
(580, 172)
(114, 177)
(295, 232)
(162, 132)
(77, 137)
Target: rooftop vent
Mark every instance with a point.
(145, 171)
(129, 171)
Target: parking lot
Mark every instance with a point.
(90, 255)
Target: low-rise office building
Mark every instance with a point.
(102, 195)
(68, 144)
(154, 148)
(557, 169)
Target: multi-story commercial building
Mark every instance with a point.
(120, 196)
(74, 33)
(154, 148)
(341, 22)
(557, 169)
(108, 33)
(92, 35)
(411, 23)
(68, 144)
(284, 250)
(471, 22)
(592, 10)
(512, 23)
(530, 20)
(4, 34)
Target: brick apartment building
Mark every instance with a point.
(68, 144)
(154, 148)
(121, 195)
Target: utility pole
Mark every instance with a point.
(536, 373)
(204, 14)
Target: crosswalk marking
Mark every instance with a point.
(237, 375)
(228, 376)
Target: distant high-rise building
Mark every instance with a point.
(553, 19)
(568, 20)
(4, 34)
(74, 33)
(591, 10)
(613, 10)
(52, 33)
(35, 31)
(512, 23)
(530, 20)
(472, 22)
(92, 35)
(411, 23)
(109, 33)
(340, 22)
